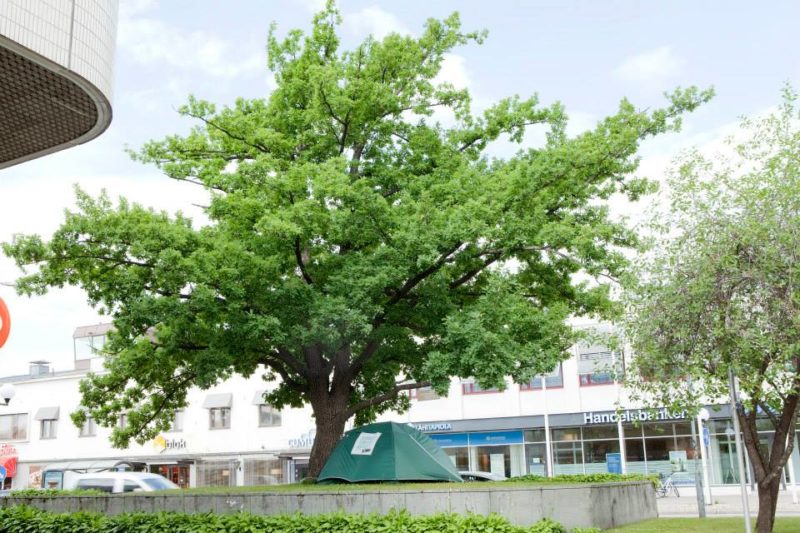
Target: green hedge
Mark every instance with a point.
(50, 493)
(24, 519)
(603, 477)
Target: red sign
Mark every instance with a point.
(5, 323)
(8, 459)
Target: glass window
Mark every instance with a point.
(262, 472)
(104, 485)
(88, 347)
(600, 432)
(567, 458)
(567, 434)
(594, 454)
(177, 422)
(459, 456)
(216, 474)
(424, 393)
(123, 421)
(474, 388)
(657, 429)
(130, 486)
(157, 483)
(535, 435)
(553, 380)
(89, 428)
(268, 416)
(494, 459)
(219, 418)
(536, 455)
(683, 428)
(596, 367)
(48, 429)
(14, 427)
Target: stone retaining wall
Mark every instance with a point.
(581, 505)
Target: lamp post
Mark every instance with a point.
(739, 451)
(705, 451)
(7, 393)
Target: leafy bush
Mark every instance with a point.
(602, 477)
(49, 493)
(24, 519)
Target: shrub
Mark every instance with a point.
(49, 493)
(25, 519)
(602, 477)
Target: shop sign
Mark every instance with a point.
(441, 426)
(450, 440)
(632, 415)
(304, 441)
(494, 438)
(163, 444)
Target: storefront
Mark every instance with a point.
(651, 442)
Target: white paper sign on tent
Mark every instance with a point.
(365, 444)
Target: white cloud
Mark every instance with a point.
(454, 71)
(151, 41)
(374, 21)
(653, 65)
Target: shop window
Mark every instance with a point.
(536, 455)
(552, 380)
(177, 422)
(48, 429)
(459, 456)
(216, 473)
(14, 427)
(472, 387)
(534, 435)
(597, 367)
(423, 394)
(600, 432)
(567, 434)
(268, 416)
(594, 454)
(89, 428)
(567, 457)
(219, 418)
(262, 472)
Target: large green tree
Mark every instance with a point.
(355, 248)
(721, 291)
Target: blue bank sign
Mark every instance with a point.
(486, 438)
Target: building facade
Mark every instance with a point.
(561, 423)
(56, 66)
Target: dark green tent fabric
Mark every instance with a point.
(387, 451)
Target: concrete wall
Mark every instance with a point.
(586, 505)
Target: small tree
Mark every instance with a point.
(355, 248)
(722, 290)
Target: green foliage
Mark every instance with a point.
(49, 493)
(352, 239)
(602, 477)
(23, 519)
(718, 294)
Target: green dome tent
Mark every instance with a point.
(387, 451)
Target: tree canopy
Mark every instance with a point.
(356, 247)
(721, 288)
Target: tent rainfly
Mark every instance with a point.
(388, 452)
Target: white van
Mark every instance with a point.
(119, 482)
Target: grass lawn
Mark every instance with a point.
(704, 525)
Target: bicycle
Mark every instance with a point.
(666, 486)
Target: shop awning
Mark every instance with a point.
(47, 413)
(258, 397)
(217, 401)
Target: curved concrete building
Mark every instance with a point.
(56, 64)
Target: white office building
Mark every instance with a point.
(562, 423)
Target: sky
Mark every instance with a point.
(586, 54)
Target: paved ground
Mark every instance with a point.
(724, 505)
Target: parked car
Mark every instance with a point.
(119, 482)
(468, 475)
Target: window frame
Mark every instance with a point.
(52, 433)
(272, 412)
(88, 429)
(530, 387)
(225, 419)
(468, 389)
(16, 428)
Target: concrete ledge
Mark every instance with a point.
(602, 505)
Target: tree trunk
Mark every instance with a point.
(330, 426)
(767, 503)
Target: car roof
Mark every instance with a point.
(114, 475)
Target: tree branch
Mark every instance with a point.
(386, 396)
